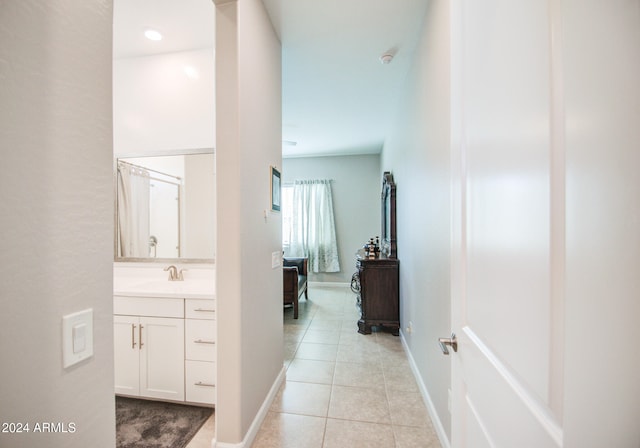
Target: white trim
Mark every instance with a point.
(435, 419)
(537, 408)
(166, 152)
(476, 415)
(260, 416)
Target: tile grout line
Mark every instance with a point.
(381, 348)
(324, 430)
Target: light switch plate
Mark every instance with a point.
(77, 337)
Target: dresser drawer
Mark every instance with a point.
(200, 309)
(148, 306)
(200, 382)
(200, 340)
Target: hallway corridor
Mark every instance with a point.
(343, 389)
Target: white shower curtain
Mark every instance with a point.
(313, 232)
(133, 211)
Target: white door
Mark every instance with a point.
(546, 223)
(602, 103)
(162, 358)
(126, 355)
(505, 309)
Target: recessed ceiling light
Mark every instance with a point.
(152, 34)
(191, 72)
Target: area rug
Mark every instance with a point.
(155, 424)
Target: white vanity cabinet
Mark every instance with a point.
(149, 347)
(200, 351)
(165, 348)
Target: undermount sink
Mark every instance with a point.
(166, 288)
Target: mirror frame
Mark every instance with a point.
(178, 152)
(388, 241)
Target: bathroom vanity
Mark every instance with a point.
(165, 338)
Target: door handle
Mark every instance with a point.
(133, 336)
(451, 342)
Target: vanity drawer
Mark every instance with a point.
(148, 306)
(200, 309)
(200, 382)
(200, 340)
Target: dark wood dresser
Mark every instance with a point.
(376, 282)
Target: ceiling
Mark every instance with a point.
(338, 98)
(184, 24)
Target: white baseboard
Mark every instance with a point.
(437, 423)
(260, 416)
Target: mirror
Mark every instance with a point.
(165, 207)
(388, 229)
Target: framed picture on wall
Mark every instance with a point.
(275, 189)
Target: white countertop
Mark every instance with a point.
(154, 283)
(192, 289)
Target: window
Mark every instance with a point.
(308, 227)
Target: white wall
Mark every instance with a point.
(601, 60)
(158, 107)
(200, 203)
(249, 140)
(356, 187)
(57, 220)
(417, 153)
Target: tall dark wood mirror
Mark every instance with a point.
(388, 230)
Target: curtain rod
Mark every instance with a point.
(149, 169)
(293, 182)
(311, 180)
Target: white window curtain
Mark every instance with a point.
(133, 211)
(313, 231)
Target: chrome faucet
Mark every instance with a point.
(173, 273)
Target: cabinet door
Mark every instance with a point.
(126, 355)
(200, 382)
(200, 309)
(200, 340)
(162, 358)
(379, 289)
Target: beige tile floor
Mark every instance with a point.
(205, 435)
(343, 389)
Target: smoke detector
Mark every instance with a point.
(386, 58)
